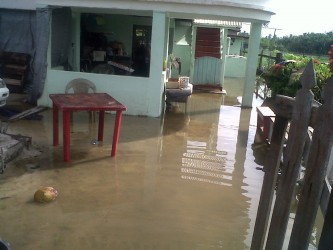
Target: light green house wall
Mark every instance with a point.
(235, 66)
(235, 47)
(182, 46)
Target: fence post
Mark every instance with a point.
(278, 58)
(271, 167)
(260, 60)
(292, 159)
(316, 167)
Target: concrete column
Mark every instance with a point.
(224, 42)
(194, 40)
(156, 83)
(229, 45)
(166, 39)
(251, 64)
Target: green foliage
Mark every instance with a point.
(285, 79)
(277, 80)
(306, 44)
(322, 74)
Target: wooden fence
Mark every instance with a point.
(272, 217)
(276, 59)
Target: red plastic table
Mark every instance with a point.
(69, 103)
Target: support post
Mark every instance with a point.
(251, 64)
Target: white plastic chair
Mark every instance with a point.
(81, 85)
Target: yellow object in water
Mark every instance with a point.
(45, 194)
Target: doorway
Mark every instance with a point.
(141, 50)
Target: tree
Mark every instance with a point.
(306, 44)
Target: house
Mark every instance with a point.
(121, 46)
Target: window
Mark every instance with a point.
(115, 44)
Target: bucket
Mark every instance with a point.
(4, 245)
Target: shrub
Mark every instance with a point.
(285, 79)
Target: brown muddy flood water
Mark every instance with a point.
(182, 181)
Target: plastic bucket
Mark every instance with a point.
(4, 245)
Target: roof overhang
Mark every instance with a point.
(185, 9)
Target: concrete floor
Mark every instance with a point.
(182, 181)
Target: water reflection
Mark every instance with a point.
(215, 139)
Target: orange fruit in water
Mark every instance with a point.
(45, 194)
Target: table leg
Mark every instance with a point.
(101, 125)
(66, 135)
(55, 126)
(116, 133)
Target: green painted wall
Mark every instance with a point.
(235, 66)
(235, 47)
(182, 43)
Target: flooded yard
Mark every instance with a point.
(187, 180)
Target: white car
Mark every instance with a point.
(4, 93)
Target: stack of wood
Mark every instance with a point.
(13, 69)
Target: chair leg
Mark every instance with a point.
(71, 121)
(92, 116)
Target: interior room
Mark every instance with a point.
(109, 44)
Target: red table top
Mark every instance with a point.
(91, 101)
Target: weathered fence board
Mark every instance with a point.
(271, 167)
(292, 160)
(315, 173)
(305, 112)
(326, 239)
